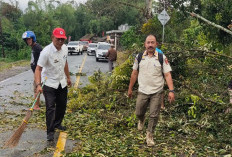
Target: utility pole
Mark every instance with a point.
(163, 28)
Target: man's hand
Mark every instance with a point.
(171, 97)
(39, 89)
(133, 79)
(69, 82)
(129, 93)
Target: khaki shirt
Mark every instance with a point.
(150, 77)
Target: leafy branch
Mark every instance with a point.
(195, 92)
(212, 52)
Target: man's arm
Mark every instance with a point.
(133, 79)
(116, 54)
(37, 76)
(66, 71)
(168, 78)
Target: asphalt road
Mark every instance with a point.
(17, 91)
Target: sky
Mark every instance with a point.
(23, 3)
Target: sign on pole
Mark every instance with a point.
(163, 18)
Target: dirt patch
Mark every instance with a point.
(12, 72)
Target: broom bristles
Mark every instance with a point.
(14, 140)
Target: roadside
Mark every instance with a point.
(11, 69)
(16, 95)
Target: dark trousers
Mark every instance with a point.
(56, 102)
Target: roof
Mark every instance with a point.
(87, 37)
(115, 31)
(99, 39)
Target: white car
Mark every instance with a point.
(102, 49)
(91, 50)
(75, 47)
(85, 45)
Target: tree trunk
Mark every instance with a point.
(148, 10)
(1, 38)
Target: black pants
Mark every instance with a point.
(56, 102)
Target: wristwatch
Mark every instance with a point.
(173, 91)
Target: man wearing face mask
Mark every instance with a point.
(53, 65)
(150, 72)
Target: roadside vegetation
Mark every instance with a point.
(6, 64)
(101, 118)
(104, 124)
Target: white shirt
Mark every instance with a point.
(53, 62)
(150, 76)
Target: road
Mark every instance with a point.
(17, 91)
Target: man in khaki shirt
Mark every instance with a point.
(151, 81)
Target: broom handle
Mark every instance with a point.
(37, 96)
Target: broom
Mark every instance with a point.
(14, 140)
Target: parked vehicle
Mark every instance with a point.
(102, 49)
(91, 50)
(85, 45)
(75, 47)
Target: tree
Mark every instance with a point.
(1, 36)
(8, 20)
(65, 14)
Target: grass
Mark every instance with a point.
(6, 64)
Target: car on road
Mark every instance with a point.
(75, 47)
(85, 45)
(91, 50)
(102, 49)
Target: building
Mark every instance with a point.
(87, 37)
(113, 36)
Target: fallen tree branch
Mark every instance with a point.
(216, 59)
(210, 23)
(195, 92)
(198, 50)
(212, 52)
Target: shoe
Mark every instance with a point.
(50, 136)
(149, 139)
(141, 125)
(63, 128)
(51, 144)
(162, 108)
